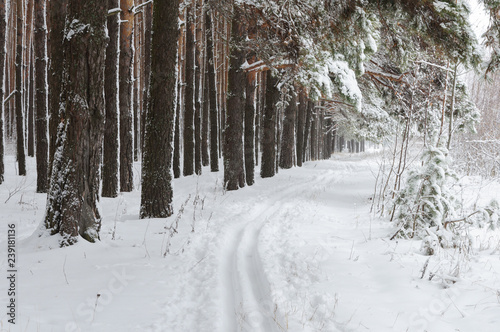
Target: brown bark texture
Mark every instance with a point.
(234, 171)
(110, 167)
(125, 96)
(268, 162)
(42, 140)
(156, 194)
(74, 189)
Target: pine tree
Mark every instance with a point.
(3, 35)
(125, 96)
(110, 169)
(74, 188)
(288, 136)
(156, 193)
(40, 49)
(21, 154)
(268, 163)
(234, 171)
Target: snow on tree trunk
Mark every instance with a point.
(57, 10)
(40, 50)
(74, 189)
(21, 154)
(110, 164)
(250, 128)
(288, 135)
(189, 96)
(125, 96)
(3, 31)
(234, 171)
(214, 120)
(268, 163)
(156, 194)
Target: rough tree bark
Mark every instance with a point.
(214, 121)
(310, 106)
(74, 189)
(125, 96)
(57, 10)
(42, 144)
(288, 135)
(198, 87)
(148, 22)
(234, 172)
(268, 163)
(3, 31)
(21, 154)
(156, 195)
(111, 132)
(250, 128)
(31, 110)
(300, 126)
(189, 96)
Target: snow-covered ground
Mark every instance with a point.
(297, 252)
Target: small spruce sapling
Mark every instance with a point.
(427, 200)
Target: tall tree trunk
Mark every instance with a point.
(74, 190)
(234, 172)
(125, 96)
(148, 22)
(288, 136)
(250, 129)
(189, 111)
(198, 88)
(258, 112)
(3, 31)
(205, 158)
(310, 106)
(181, 65)
(31, 115)
(42, 144)
(21, 154)
(57, 10)
(268, 163)
(300, 126)
(135, 87)
(156, 195)
(111, 132)
(214, 124)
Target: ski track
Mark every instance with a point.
(247, 300)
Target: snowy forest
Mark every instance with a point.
(250, 165)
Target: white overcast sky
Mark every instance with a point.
(479, 18)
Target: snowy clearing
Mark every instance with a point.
(297, 252)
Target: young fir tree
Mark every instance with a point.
(74, 188)
(156, 192)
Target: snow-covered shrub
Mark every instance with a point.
(427, 201)
(487, 216)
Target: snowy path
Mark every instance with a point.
(249, 293)
(297, 252)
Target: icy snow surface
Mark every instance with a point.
(297, 252)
